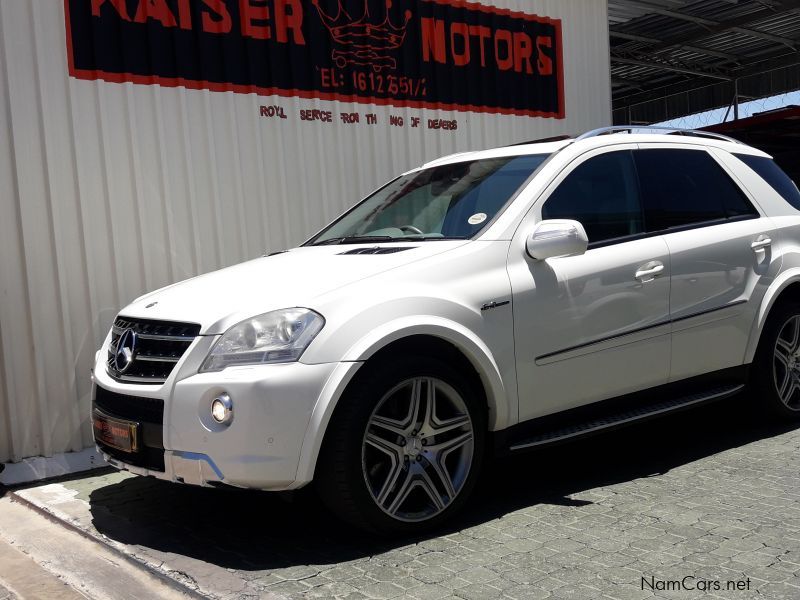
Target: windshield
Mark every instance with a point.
(453, 201)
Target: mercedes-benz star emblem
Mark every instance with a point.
(126, 348)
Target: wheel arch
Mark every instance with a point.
(433, 335)
(462, 344)
(786, 287)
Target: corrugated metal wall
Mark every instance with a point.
(109, 190)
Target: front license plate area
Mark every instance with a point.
(117, 433)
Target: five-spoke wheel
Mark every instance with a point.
(775, 373)
(405, 446)
(786, 364)
(418, 448)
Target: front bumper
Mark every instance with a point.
(260, 448)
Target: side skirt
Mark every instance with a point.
(621, 411)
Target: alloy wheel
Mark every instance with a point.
(786, 363)
(418, 449)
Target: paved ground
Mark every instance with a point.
(704, 498)
(22, 577)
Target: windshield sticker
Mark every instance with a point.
(477, 218)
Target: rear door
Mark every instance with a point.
(720, 249)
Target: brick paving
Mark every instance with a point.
(711, 494)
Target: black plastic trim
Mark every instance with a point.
(689, 227)
(636, 407)
(149, 413)
(640, 329)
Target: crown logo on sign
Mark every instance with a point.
(363, 40)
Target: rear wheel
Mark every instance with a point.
(776, 380)
(403, 450)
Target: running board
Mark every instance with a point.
(622, 417)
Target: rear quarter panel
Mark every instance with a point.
(785, 246)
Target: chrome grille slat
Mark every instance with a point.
(165, 338)
(132, 379)
(148, 336)
(171, 359)
(159, 345)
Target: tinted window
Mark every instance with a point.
(684, 187)
(774, 176)
(601, 193)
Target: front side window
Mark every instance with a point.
(687, 187)
(773, 175)
(453, 201)
(603, 195)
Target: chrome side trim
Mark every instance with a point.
(661, 323)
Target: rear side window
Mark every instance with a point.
(602, 193)
(687, 187)
(773, 175)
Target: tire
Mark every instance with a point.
(775, 381)
(384, 461)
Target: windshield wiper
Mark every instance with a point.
(356, 239)
(429, 238)
(373, 239)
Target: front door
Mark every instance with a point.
(594, 326)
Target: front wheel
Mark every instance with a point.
(776, 380)
(404, 448)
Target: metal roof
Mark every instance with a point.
(777, 132)
(670, 58)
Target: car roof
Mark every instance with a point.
(608, 137)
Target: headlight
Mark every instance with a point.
(275, 337)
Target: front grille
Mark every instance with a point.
(149, 412)
(133, 408)
(150, 351)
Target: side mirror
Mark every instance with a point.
(556, 237)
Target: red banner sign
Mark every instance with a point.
(441, 54)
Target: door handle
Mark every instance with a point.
(761, 244)
(649, 271)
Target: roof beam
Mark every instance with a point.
(770, 63)
(774, 9)
(665, 66)
(669, 89)
(788, 42)
(624, 35)
(626, 83)
(698, 49)
(713, 26)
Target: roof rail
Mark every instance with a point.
(655, 128)
(555, 138)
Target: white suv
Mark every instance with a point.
(485, 303)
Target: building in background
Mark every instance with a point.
(148, 141)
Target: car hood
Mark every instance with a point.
(220, 299)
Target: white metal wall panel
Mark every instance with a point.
(109, 190)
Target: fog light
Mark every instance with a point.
(222, 409)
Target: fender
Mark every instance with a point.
(782, 281)
(465, 340)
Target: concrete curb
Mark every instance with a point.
(130, 560)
